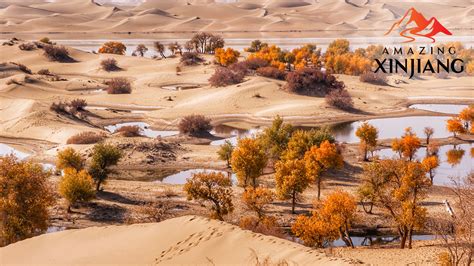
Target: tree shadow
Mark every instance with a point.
(114, 197)
(106, 213)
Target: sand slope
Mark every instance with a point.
(327, 17)
(188, 239)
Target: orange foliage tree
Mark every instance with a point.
(306, 56)
(272, 54)
(291, 180)
(455, 126)
(257, 199)
(212, 187)
(113, 48)
(398, 187)
(320, 159)
(368, 135)
(408, 145)
(430, 163)
(454, 156)
(24, 201)
(467, 116)
(330, 219)
(225, 57)
(248, 160)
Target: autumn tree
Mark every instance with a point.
(225, 152)
(256, 45)
(291, 180)
(320, 159)
(429, 131)
(76, 187)
(331, 219)
(248, 161)
(25, 198)
(113, 48)
(430, 164)
(455, 126)
(275, 138)
(454, 156)
(398, 187)
(204, 42)
(368, 136)
(337, 47)
(272, 54)
(225, 57)
(408, 145)
(103, 157)
(257, 199)
(160, 48)
(302, 140)
(69, 158)
(212, 187)
(141, 50)
(467, 116)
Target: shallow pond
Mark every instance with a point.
(165, 175)
(378, 240)
(145, 129)
(455, 161)
(7, 150)
(234, 132)
(441, 108)
(393, 127)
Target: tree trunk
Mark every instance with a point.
(410, 233)
(97, 187)
(293, 203)
(319, 187)
(369, 208)
(403, 238)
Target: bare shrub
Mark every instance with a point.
(191, 58)
(311, 81)
(129, 131)
(194, 125)
(22, 68)
(109, 64)
(340, 99)
(78, 105)
(28, 46)
(87, 137)
(44, 71)
(267, 225)
(155, 212)
(57, 53)
(239, 67)
(271, 72)
(256, 63)
(59, 107)
(119, 86)
(224, 76)
(378, 78)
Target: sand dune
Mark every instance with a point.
(174, 241)
(341, 17)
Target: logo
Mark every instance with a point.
(413, 24)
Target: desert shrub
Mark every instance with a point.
(56, 53)
(129, 131)
(239, 67)
(215, 188)
(24, 69)
(88, 137)
(109, 64)
(44, 71)
(340, 99)
(76, 186)
(69, 158)
(45, 40)
(119, 86)
(194, 125)
(78, 105)
(140, 50)
(256, 63)
(27, 46)
(225, 152)
(271, 72)
(24, 201)
(191, 58)
(103, 157)
(378, 78)
(266, 226)
(59, 107)
(113, 48)
(312, 81)
(224, 76)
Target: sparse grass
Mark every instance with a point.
(87, 137)
(57, 53)
(378, 78)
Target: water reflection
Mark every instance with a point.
(165, 175)
(145, 129)
(378, 240)
(236, 133)
(8, 150)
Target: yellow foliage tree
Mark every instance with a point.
(69, 158)
(455, 126)
(248, 161)
(257, 199)
(291, 180)
(320, 159)
(24, 201)
(272, 54)
(368, 135)
(212, 187)
(76, 186)
(225, 57)
(113, 48)
(467, 116)
(430, 163)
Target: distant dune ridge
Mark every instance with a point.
(183, 240)
(348, 17)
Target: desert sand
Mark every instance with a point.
(265, 18)
(183, 240)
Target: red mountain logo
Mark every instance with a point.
(413, 24)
